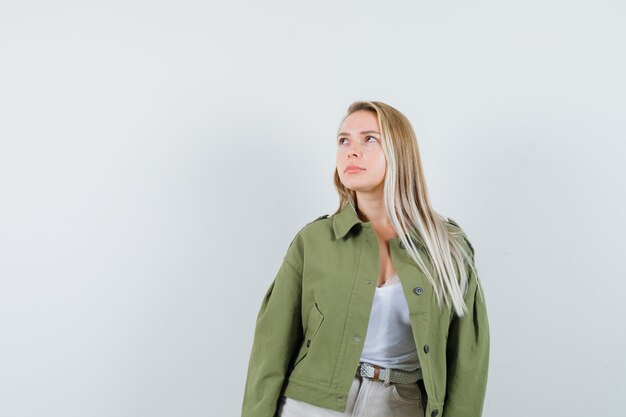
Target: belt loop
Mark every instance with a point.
(387, 377)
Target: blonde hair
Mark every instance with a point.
(408, 207)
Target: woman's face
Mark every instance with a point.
(359, 144)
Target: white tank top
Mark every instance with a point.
(389, 339)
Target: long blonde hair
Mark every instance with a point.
(408, 207)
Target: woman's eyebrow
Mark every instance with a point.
(363, 133)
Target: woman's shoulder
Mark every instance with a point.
(457, 231)
(453, 226)
(323, 216)
(313, 226)
(312, 232)
(316, 224)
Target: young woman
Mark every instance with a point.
(376, 310)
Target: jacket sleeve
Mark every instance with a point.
(278, 331)
(468, 356)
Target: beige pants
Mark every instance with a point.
(367, 398)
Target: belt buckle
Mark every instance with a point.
(377, 369)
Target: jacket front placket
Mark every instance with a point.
(359, 307)
(419, 296)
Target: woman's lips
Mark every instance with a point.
(354, 170)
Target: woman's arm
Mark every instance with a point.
(277, 333)
(468, 356)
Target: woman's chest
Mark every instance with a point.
(339, 274)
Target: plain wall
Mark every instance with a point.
(157, 158)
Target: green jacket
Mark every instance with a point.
(311, 325)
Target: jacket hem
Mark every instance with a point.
(315, 394)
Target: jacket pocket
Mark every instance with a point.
(313, 325)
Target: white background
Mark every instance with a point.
(157, 158)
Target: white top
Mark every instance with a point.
(389, 340)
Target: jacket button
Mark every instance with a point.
(402, 245)
(418, 290)
(308, 342)
(356, 338)
(434, 413)
(426, 348)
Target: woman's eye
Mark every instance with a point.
(366, 138)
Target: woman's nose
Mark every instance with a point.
(352, 150)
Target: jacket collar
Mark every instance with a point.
(346, 218)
